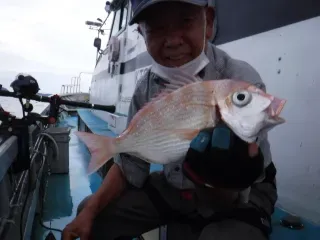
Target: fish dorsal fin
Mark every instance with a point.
(210, 92)
(162, 99)
(143, 111)
(185, 80)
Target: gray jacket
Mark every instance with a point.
(221, 66)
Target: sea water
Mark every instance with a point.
(13, 106)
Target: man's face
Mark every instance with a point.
(174, 31)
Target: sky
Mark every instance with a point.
(49, 36)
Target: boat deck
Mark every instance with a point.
(65, 192)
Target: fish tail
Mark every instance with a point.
(102, 149)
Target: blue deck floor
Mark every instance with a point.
(65, 192)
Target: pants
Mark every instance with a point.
(134, 213)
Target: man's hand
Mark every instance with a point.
(219, 158)
(80, 227)
(112, 186)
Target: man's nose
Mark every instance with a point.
(173, 37)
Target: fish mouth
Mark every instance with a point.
(275, 120)
(275, 108)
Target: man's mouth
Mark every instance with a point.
(175, 58)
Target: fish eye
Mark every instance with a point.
(241, 98)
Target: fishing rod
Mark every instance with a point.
(26, 87)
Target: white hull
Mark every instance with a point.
(295, 145)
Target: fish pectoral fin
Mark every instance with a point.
(184, 134)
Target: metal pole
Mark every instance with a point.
(78, 83)
(80, 77)
(73, 85)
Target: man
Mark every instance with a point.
(131, 202)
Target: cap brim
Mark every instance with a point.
(143, 7)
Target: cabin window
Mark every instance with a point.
(116, 23)
(124, 16)
(120, 19)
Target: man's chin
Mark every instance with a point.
(174, 63)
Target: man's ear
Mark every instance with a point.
(141, 32)
(140, 29)
(210, 15)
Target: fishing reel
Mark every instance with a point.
(25, 86)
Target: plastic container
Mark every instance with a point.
(61, 136)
